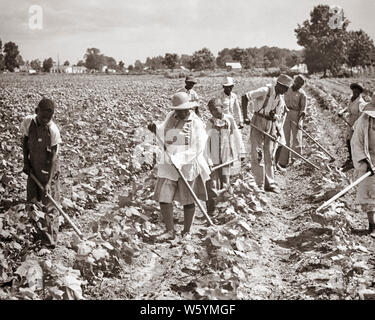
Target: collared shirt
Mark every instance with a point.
(296, 100)
(275, 101)
(355, 108)
(232, 106)
(54, 131)
(193, 96)
(185, 140)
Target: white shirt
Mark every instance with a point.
(232, 106)
(275, 102)
(54, 131)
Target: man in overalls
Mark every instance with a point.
(269, 111)
(41, 138)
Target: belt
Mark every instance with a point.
(265, 117)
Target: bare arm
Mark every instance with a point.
(26, 162)
(52, 168)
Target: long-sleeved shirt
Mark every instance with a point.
(186, 141)
(274, 103)
(232, 106)
(296, 100)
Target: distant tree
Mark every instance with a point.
(110, 62)
(10, 58)
(324, 43)
(93, 59)
(138, 65)
(80, 63)
(203, 59)
(66, 63)
(121, 65)
(360, 49)
(155, 63)
(223, 57)
(130, 67)
(266, 63)
(47, 65)
(36, 65)
(20, 61)
(171, 60)
(185, 60)
(292, 60)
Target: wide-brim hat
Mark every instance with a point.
(191, 79)
(356, 85)
(228, 82)
(285, 80)
(181, 101)
(369, 107)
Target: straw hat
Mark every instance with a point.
(285, 80)
(191, 79)
(181, 101)
(229, 82)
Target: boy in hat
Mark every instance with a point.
(231, 106)
(269, 109)
(184, 136)
(354, 111)
(219, 149)
(41, 139)
(295, 101)
(190, 82)
(363, 154)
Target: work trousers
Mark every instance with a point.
(293, 137)
(262, 150)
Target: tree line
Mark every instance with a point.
(327, 45)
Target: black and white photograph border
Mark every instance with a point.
(187, 155)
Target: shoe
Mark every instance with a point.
(371, 230)
(185, 236)
(166, 236)
(348, 165)
(273, 189)
(280, 167)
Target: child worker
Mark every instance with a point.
(184, 136)
(363, 155)
(220, 149)
(41, 139)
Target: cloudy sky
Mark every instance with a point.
(135, 29)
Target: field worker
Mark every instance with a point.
(232, 107)
(184, 134)
(269, 108)
(190, 82)
(296, 101)
(363, 154)
(354, 111)
(219, 149)
(41, 139)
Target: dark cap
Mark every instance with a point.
(47, 105)
(356, 85)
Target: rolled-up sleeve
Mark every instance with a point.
(257, 94)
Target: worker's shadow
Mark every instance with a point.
(359, 232)
(309, 239)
